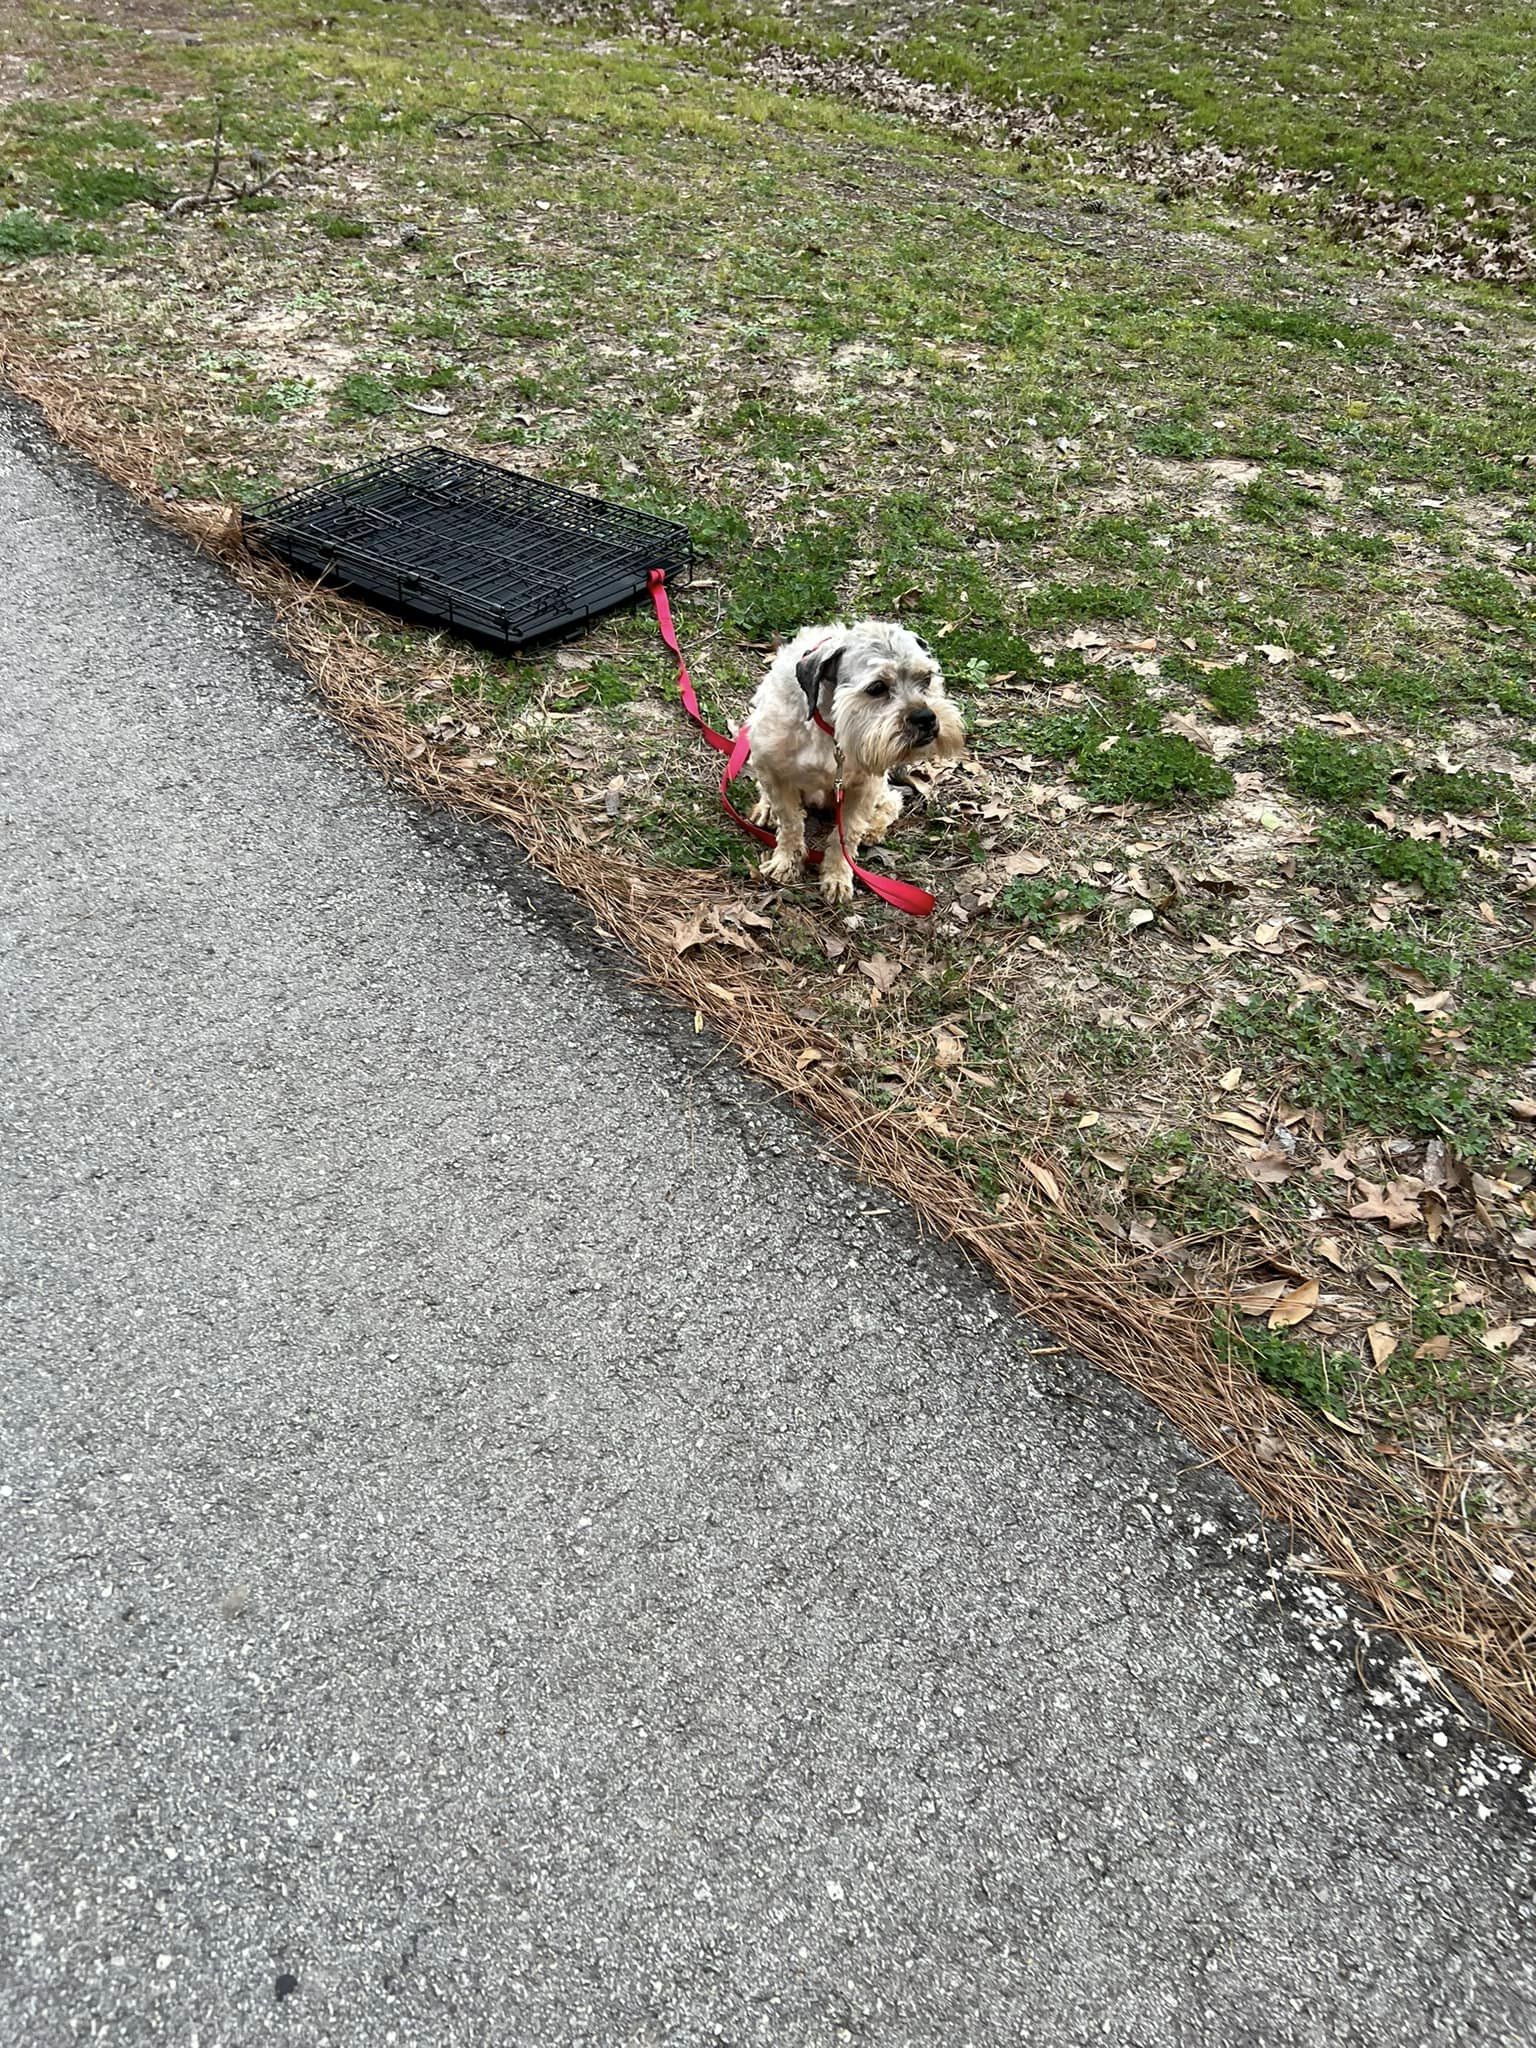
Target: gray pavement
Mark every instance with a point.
(504, 1543)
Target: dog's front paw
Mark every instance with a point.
(781, 867)
(883, 815)
(837, 883)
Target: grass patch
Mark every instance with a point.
(1305, 1372)
(95, 193)
(1335, 771)
(1370, 99)
(1156, 769)
(1060, 604)
(341, 227)
(362, 396)
(780, 587)
(1349, 857)
(1397, 1078)
(1486, 595)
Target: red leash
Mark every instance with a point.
(901, 895)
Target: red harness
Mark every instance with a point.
(901, 895)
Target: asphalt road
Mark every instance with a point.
(504, 1543)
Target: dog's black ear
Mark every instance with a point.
(815, 671)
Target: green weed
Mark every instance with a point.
(778, 589)
(1392, 1078)
(1158, 769)
(340, 227)
(1336, 771)
(1347, 853)
(1486, 595)
(24, 234)
(93, 194)
(362, 396)
(1060, 604)
(1313, 1377)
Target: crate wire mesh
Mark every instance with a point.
(445, 538)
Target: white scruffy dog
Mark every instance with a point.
(880, 690)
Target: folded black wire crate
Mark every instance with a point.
(445, 538)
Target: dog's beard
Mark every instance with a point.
(876, 739)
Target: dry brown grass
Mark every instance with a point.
(1465, 1603)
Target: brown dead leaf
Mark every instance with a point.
(1230, 1080)
(1427, 1006)
(1266, 934)
(1346, 1423)
(1502, 1338)
(948, 1050)
(1024, 864)
(1189, 729)
(1116, 1162)
(1328, 1248)
(1433, 1348)
(1043, 1178)
(1383, 1342)
(689, 932)
(1294, 1307)
(1237, 1120)
(1523, 1107)
(1149, 1237)
(1396, 1203)
(744, 914)
(1258, 1301)
(1210, 667)
(807, 1057)
(882, 972)
(1270, 1166)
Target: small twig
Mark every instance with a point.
(539, 135)
(218, 153)
(1029, 227)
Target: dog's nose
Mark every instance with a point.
(922, 723)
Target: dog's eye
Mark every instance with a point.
(878, 690)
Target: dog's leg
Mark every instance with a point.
(861, 802)
(884, 810)
(781, 805)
